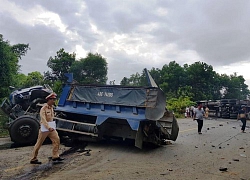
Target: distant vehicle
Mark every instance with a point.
(23, 108)
(226, 108)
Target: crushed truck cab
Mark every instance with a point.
(95, 112)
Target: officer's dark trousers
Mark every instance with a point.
(200, 124)
(244, 121)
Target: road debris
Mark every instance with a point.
(163, 174)
(167, 143)
(234, 159)
(223, 169)
(85, 152)
(243, 155)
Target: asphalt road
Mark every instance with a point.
(192, 156)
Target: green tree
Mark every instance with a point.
(140, 79)
(233, 87)
(57, 87)
(135, 79)
(33, 79)
(20, 50)
(90, 70)
(20, 80)
(173, 76)
(202, 78)
(197, 81)
(9, 57)
(156, 75)
(125, 81)
(60, 65)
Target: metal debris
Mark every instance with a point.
(223, 169)
(236, 159)
(87, 153)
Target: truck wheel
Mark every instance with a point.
(24, 130)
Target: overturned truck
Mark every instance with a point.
(95, 112)
(22, 109)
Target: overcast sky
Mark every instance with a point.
(130, 34)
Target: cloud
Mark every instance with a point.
(131, 35)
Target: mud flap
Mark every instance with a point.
(175, 129)
(139, 138)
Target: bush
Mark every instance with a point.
(178, 105)
(3, 128)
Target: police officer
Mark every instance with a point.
(48, 129)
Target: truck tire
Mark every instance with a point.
(24, 130)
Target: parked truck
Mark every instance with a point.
(96, 112)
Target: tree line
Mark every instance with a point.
(197, 81)
(190, 83)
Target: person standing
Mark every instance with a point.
(192, 111)
(187, 112)
(48, 129)
(242, 115)
(206, 112)
(198, 116)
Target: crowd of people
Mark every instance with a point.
(189, 113)
(197, 113)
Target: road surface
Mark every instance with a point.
(192, 156)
